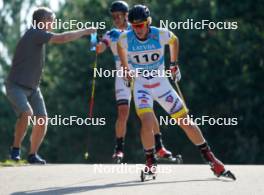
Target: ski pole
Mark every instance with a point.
(93, 48)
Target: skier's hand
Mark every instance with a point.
(176, 73)
(127, 83)
(100, 47)
(114, 34)
(127, 78)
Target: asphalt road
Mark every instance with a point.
(124, 179)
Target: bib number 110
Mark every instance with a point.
(146, 58)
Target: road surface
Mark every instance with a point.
(124, 179)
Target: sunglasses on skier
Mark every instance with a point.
(139, 25)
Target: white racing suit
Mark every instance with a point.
(148, 55)
(122, 91)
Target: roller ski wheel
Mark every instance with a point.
(118, 157)
(144, 176)
(177, 159)
(150, 169)
(173, 159)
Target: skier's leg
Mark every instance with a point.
(123, 96)
(144, 107)
(195, 135)
(161, 151)
(172, 103)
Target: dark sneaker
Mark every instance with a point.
(15, 154)
(35, 159)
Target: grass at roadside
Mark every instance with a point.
(11, 163)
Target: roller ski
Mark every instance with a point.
(118, 151)
(219, 170)
(118, 157)
(216, 165)
(150, 170)
(165, 155)
(147, 176)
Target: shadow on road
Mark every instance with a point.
(80, 189)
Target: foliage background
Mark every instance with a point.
(222, 76)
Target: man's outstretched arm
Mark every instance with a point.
(65, 37)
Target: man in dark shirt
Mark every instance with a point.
(22, 83)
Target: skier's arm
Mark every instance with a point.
(122, 55)
(174, 52)
(174, 49)
(124, 64)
